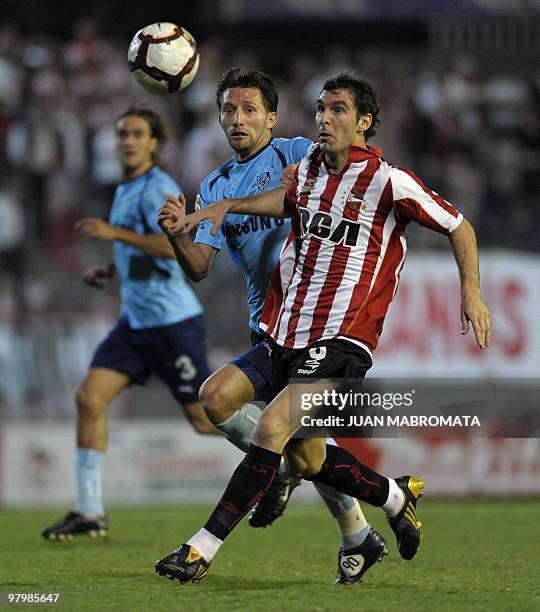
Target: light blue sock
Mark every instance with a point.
(352, 524)
(89, 467)
(355, 539)
(239, 427)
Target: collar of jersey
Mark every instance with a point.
(356, 154)
(136, 178)
(245, 161)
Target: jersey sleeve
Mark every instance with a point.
(153, 199)
(203, 235)
(413, 201)
(299, 148)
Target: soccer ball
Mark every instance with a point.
(163, 58)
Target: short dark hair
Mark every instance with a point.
(159, 128)
(363, 94)
(241, 76)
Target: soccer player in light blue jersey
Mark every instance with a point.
(161, 329)
(247, 102)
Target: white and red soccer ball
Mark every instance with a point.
(163, 58)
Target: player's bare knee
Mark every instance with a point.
(270, 431)
(89, 404)
(215, 401)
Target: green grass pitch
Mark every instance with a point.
(475, 555)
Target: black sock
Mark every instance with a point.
(248, 485)
(346, 474)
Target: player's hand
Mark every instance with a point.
(474, 311)
(99, 276)
(92, 227)
(287, 176)
(214, 213)
(171, 216)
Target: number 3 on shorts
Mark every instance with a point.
(186, 368)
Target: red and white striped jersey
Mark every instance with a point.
(338, 275)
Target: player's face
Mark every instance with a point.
(135, 144)
(337, 123)
(244, 119)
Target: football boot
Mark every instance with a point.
(76, 524)
(404, 524)
(355, 562)
(273, 504)
(185, 564)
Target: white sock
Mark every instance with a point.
(396, 499)
(206, 543)
(89, 468)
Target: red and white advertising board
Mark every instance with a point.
(421, 336)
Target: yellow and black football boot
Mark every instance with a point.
(185, 564)
(405, 524)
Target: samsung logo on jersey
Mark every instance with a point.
(320, 224)
(254, 224)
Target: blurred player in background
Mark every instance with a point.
(247, 101)
(351, 209)
(161, 329)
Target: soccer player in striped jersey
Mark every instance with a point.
(351, 209)
(247, 101)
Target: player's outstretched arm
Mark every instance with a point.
(269, 204)
(154, 245)
(194, 259)
(473, 308)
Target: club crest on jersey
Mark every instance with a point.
(263, 180)
(355, 204)
(308, 186)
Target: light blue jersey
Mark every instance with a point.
(254, 242)
(154, 290)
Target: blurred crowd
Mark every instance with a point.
(469, 128)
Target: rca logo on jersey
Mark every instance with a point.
(320, 224)
(317, 354)
(263, 180)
